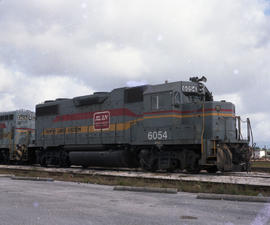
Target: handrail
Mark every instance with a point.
(203, 124)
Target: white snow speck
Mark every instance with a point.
(134, 83)
(263, 216)
(84, 5)
(36, 204)
(236, 71)
(159, 37)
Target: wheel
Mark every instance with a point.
(84, 166)
(194, 170)
(147, 161)
(151, 166)
(154, 166)
(224, 159)
(64, 159)
(212, 169)
(4, 159)
(43, 160)
(170, 170)
(193, 163)
(175, 164)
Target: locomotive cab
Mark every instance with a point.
(191, 130)
(222, 145)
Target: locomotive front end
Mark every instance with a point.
(215, 128)
(223, 146)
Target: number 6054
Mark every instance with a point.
(157, 135)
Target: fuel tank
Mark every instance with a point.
(111, 158)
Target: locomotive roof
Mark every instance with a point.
(163, 87)
(148, 89)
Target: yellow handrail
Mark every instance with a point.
(202, 145)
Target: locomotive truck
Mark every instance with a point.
(168, 126)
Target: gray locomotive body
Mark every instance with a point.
(168, 126)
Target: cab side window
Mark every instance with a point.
(1, 133)
(154, 102)
(161, 101)
(177, 99)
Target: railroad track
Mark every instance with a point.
(248, 178)
(253, 173)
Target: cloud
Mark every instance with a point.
(104, 45)
(6, 103)
(22, 91)
(235, 98)
(134, 83)
(260, 127)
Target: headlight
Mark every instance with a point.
(218, 108)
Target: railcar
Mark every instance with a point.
(167, 126)
(17, 135)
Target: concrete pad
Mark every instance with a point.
(146, 189)
(32, 178)
(241, 198)
(6, 175)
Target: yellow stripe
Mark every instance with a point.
(188, 116)
(6, 135)
(21, 131)
(121, 126)
(24, 131)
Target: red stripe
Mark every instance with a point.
(125, 112)
(23, 128)
(89, 115)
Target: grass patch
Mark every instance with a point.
(261, 164)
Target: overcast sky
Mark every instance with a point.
(65, 48)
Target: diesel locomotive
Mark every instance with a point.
(169, 126)
(17, 134)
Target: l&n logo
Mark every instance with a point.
(102, 120)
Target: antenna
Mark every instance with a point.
(197, 80)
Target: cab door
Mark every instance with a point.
(158, 117)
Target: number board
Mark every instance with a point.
(190, 88)
(24, 117)
(157, 135)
